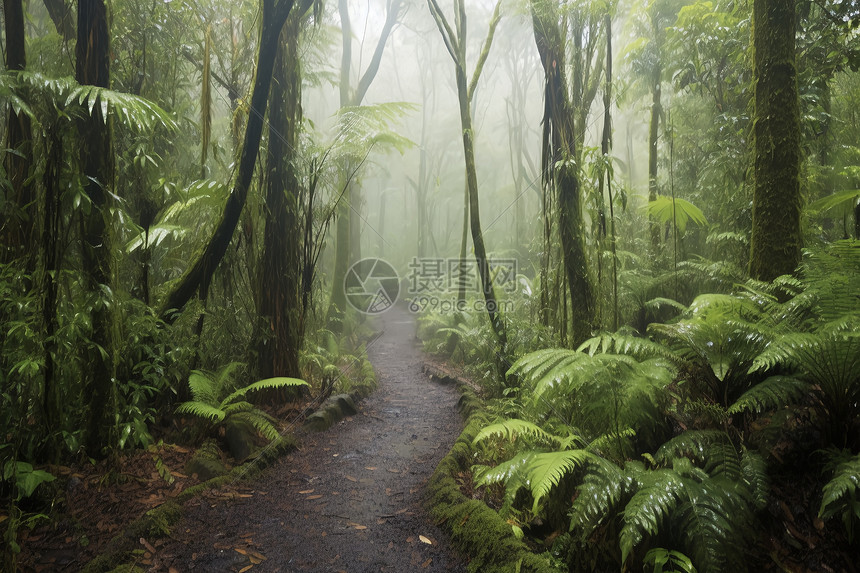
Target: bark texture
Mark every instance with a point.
(560, 170)
(16, 229)
(279, 297)
(92, 67)
(776, 232)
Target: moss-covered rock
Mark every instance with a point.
(206, 462)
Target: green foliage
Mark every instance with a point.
(840, 494)
(677, 212)
(25, 478)
(132, 111)
(664, 560)
(601, 393)
(216, 401)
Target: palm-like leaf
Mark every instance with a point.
(678, 211)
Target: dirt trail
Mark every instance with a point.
(350, 498)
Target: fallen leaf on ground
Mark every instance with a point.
(427, 563)
(350, 478)
(426, 540)
(307, 491)
(371, 468)
(314, 497)
(243, 569)
(146, 544)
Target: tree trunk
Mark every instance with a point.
(61, 15)
(16, 230)
(348, 224)
(653, 139)
(93, 68)
(199, 274)
(776, 232)
(456, 44)
(278, 297)
(560, 170)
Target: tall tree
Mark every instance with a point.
(559, 165)
(19, 203)
(347, 227)
(92, 67)
(198, 277)
(776, 232)
(455, 42)
(278, 293)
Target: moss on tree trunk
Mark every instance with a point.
(777, 202)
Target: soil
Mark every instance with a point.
(350, 499)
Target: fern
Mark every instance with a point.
(215, 403)
(770, 394)
(605, 393)
(509, 430)
(840, 494)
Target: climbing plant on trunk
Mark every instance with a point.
(559, 165)
(279, 291)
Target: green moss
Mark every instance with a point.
(477, 530)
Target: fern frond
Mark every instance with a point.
(754, 472)
(546, 470)
(656, 498)
(604, 489)
(771, 394)
(203, 387)
(262, 422)
(279, 382)
(201, 410)
(511, 428)
(618, 343)
(693, 444)
(839, 495)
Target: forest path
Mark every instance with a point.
(350, 499)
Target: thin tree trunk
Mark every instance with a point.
(61, 15)
(348, 224)
(776, 232)
(456, 44)
(17, 230)
(653, 139)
